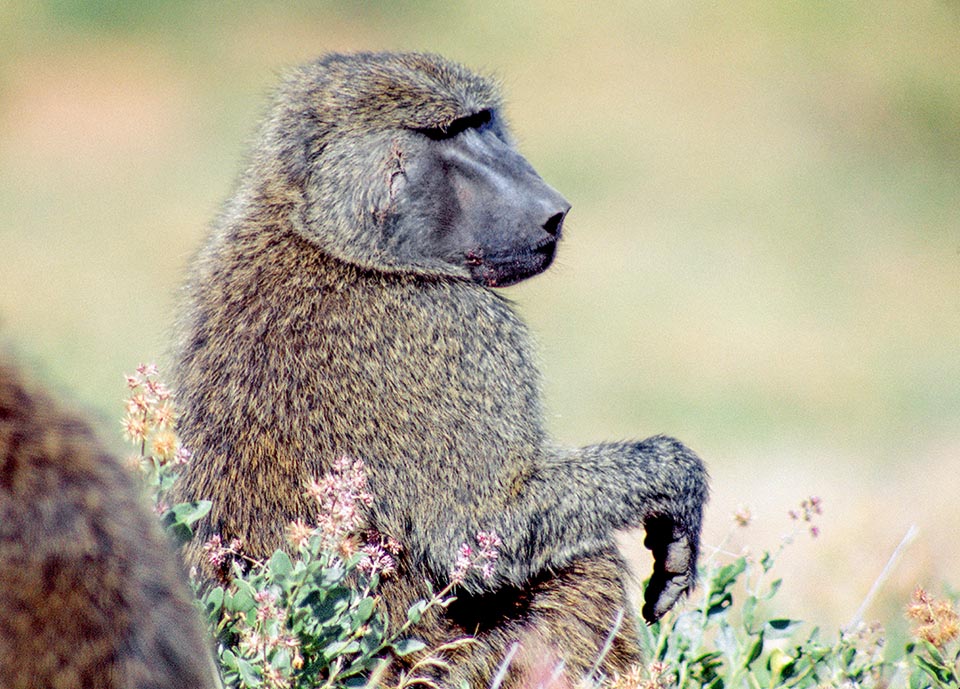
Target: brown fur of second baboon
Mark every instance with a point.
(91, 593)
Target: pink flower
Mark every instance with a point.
(134, 428)
(138, 403)
(339, 496)
(742, 517)
(482, 560)
(164, 415)
(164, 444)
(216, 553)
(147, 370)
(158, 390)
(183, 456)
(299, 533)
(809, 508)
(376, 560)
(462, 565)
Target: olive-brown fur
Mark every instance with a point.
(91, 594)
(311, 331)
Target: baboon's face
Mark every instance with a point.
(462, 194)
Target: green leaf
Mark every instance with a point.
(363, 611)
(190, 512)
(708, 659)
(936, 672)
(213, 602)
(749, 611)
(228, 659)
(248, 674)
(728, 574)
(774, 588)
(166, 481)
(330, 605)
(351, 562)
(933, 652)
(782, 628)
(179, 519)
(415, 613)
(281, 660)
(280, 564)
(719, 604)
(407, 646)
(339, 648)
(331, 576)
(777, 660)
(244, 586)
(848, 656)
(755, 650)
(240, 600)
(371, 643)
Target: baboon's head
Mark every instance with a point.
(404, 163)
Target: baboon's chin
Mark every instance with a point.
(503, 271)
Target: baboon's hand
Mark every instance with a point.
(674, 566)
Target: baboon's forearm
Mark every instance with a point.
(575, 500)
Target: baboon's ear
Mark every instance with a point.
(292, 138)
(300, 154)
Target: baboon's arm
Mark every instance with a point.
(657, 483)
(575, 499)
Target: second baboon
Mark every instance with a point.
(342, 306)
(91, 593)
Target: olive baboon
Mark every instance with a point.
(341, 306)
(91, 594)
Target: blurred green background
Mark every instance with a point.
(762, 258)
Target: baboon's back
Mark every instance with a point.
(90, 591)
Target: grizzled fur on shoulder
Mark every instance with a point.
(342, 306)
(90, 590)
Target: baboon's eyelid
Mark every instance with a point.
(477, 120)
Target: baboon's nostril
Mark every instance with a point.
(554, 223)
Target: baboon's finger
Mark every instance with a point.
(670, 591)
(672, 574)
(678, 556)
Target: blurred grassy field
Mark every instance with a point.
(762, 258)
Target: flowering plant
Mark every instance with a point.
(149, 424)
(310, 616)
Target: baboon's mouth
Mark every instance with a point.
(509, 268)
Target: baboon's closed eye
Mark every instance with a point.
(477, 120)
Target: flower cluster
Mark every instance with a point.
(379, 552)
(150, 415)
(653, 676)
(220, 555)
(742, 517)
(809, 508)
(936, 620)
(339, 495)
(148, 423)
(483, 558)
(267, 637)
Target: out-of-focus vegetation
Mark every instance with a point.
(763, 257)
